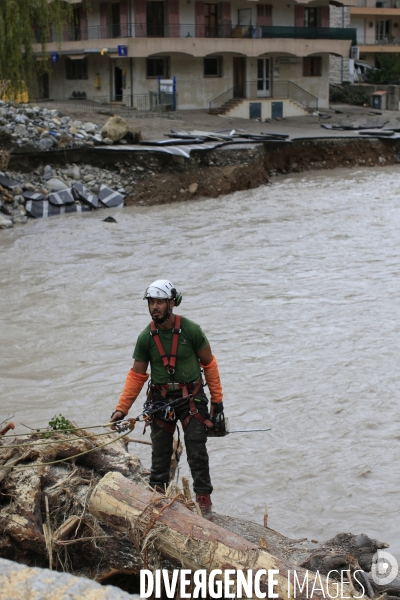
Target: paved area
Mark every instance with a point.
(153, 126)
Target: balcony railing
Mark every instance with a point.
(388, 40)
(280, 89)
(384, 4)
(181, 30)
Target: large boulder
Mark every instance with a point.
(117, 128)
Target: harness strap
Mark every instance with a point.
(170, 427)
(195, 413)
(168, 362)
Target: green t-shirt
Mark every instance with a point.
(191, 340)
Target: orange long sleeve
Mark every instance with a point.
(133, 386)
(211, 373)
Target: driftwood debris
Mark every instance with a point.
(104, 522)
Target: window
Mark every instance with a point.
(76, 69)
(311, 17)
(213, 67)
(312, 66)
(158, 67)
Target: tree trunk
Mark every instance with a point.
(184, 537)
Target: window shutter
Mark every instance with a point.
(200, 19)
(307, 71)
(103, 19)
(325, 16)
(123, 18)
(173, 18)
(83, 23)
(140, 18)
(225, 21)
(299, 16)
(268, 15)
(264, 15)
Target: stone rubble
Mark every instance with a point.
(49, 191)
(32, 127)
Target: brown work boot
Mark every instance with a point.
(205, 504)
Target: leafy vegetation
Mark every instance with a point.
(348, 94)
(22, 24)
(388, 70)
(59, 423)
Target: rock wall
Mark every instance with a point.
(18, 582)
(338, 66)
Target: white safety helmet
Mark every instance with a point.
(163, 289)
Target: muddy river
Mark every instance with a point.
(297, 286)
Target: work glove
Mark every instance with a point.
(117, 415)
(218, 418)
(217, 408)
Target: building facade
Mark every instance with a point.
(378, 29)
(339, 66)
(217, 51)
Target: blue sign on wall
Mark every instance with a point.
(122, 50)
(55, 57)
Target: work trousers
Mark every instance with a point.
(195, 442)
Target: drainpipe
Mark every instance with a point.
(342, 59)
(272, 76)
(130, 59)
(131, 75)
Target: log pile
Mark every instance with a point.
(96, 516)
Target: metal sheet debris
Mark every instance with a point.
(110, 198)
(61, 198)
(33, 196)
(81, 193)
(42, 210)
(8, 183)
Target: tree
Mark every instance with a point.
(388, 70)
(22, 24)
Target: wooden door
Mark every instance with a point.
(239, 77)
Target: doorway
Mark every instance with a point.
(211, 20)
(239, 77)
(382, 30)
(263, 77)
(115, 15)
(118, 84)
(44, 86)
(155, 19)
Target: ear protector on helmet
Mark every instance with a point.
(177, 297)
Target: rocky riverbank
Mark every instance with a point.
(86, 173)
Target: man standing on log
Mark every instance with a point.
(177, 350)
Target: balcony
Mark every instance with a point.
(201, 40)
(166, 30)
(388, 8)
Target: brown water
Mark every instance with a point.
(297, 287)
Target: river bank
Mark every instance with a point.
(145, 177)
(153, 178)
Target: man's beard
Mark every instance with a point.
(160, 319)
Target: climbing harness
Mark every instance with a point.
(168, 362)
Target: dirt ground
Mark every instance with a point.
(154, 126)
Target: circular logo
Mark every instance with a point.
(384, 568)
